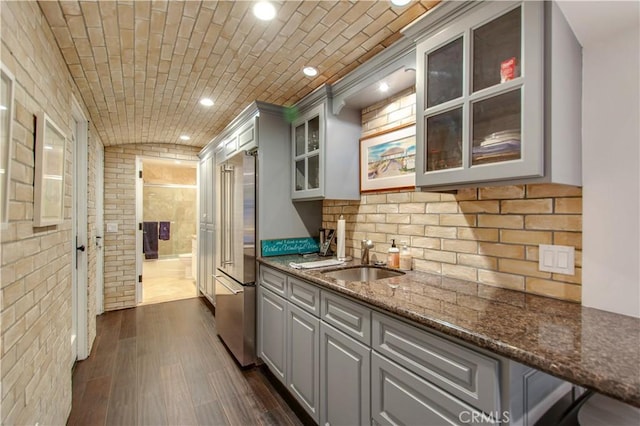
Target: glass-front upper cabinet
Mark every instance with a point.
(480, 97)
(308, 143)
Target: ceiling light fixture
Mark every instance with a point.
(206, 102)
(383, 87)
(400, 3)
(310, 71)
(264, 11)
(185, 137)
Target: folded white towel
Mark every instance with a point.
(316, 264)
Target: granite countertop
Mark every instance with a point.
(589, 347)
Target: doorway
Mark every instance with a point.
(79, 132)
(168, 216)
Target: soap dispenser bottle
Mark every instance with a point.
(405, 257)
(393, 256)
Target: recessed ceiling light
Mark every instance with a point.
(310, 71)
(383, 87)
(206, 102)
(264, 11)
(400, 2)
(185, 137)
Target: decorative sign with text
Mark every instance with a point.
(288, 246)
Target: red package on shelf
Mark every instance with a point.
(508, 70)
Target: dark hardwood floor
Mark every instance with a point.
(164, 364)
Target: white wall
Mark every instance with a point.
(610, 36)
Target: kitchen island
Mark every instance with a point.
(595, 349)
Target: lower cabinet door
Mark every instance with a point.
(202, 260)
(211, 269)
(272, 329)
(344, 379)
(399, 397)
(303, 365)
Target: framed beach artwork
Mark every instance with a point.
(388, 159)
(49, 178)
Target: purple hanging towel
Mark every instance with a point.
(150, 240)
(165, 231)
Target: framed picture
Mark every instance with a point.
(6, 151)
(49, 179)
(388, 159)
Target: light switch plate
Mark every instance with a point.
(558, 259)
(112, 227)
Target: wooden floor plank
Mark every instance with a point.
(177, 397)
(164, 364)
(211, 413)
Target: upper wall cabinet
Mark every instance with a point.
(498, 95)
(325, 150)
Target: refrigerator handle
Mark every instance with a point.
(227, 223)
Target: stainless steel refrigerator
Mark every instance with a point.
(236, 257)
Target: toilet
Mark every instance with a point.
(185, 259)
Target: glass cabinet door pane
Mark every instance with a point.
(496, 129)
(314, 171)
(444, 140)
(300, 175)
(300, 139)
(496, 51)
(444, 73)
(313, 139)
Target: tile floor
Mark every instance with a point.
(164, 281)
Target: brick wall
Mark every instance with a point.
(120, 207)
(35, 317)
(488, 235)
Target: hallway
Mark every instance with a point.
(164, 281)
(163, 364)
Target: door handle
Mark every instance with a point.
(80, 248)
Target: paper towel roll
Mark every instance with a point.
(340, 236)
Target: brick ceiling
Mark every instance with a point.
(141, 66)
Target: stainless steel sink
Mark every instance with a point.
(362, 273)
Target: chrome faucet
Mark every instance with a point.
(365, 246)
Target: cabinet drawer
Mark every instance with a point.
(467, 374)
(400, 397)
(347, 316)
(304, 295)
(273, 280)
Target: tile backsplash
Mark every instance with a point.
(488, 235)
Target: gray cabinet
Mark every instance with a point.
(344, 379)
(242, 138)
(206, 229)
(325, 150)
(349, 364)
(272, 331)
(305, 295)
(349, 317)
(302, 359)
(399, 397)
(464, 373)
(201, 279)
(498, 94)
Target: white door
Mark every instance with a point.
(99, 231)
(139, 243)
(79, 130)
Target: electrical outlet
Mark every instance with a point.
(112, 227)
(558, 259)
